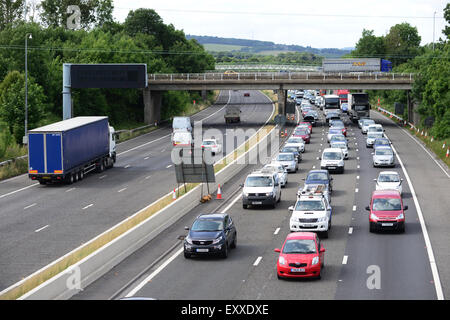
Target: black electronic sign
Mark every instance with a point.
(108, 76)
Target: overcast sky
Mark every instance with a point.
(319, 23)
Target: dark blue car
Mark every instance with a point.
(212, 233)
(316, 177)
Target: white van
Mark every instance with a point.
(181, 124)
(182, 139)
(332, 160)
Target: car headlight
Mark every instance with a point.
(188, 240)
(282, 260)
(315, 260)
(400, 216)
(215, 241)
(373, 217)
(245, 194)
(268, 194)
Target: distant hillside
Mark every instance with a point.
(256, 46)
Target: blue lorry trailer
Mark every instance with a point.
(67, 150)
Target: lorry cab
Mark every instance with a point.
(112, 144)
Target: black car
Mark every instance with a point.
(211, 233)
(311, 118)
(316, 177)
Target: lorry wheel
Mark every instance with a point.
(69, 179)
(75, 177)
(42, 182)
(81, 176)
(101, 167)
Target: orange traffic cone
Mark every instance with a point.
(448, 151)
(219, 193)
(174, 195)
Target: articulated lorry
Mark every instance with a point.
(356, 65)
(67, 150)
(358, 106)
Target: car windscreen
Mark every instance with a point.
(361, 108)
(341, 145)
(285, 157)
(388, 177)
(335, 131)
(374, 135)
(317, 176)
(299, 246)
(290, 149)
(208, 143)
(337, 124)
(330, 155)
(381, 142)
(338, 137)
(207, 225)
(368, 122)
(375, 129)
(386, 204)
(259, 182)
(295, 140)
(383, 152)
(278, 169)
(301, 132)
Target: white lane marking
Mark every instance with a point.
(356, 143)
(168, 166)
(142, 145)
(276, 231)
(12, 192)
(173, 257)
(40, 229)
(88, 206)
(356, 190)
(71, 189)
(314, 167)
(354, 208)
(357, 177)
(357, 150)
(433, 265)
(30, 206)
(350, 230)
(357, 158)
(358, 166)
(163, 150)
(147, 177)
(122, 190)
(344, 260)
(103, 176)
(146, 158)
(127, 166)
(257, 261)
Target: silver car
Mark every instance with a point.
(278, 168)
(383, 156)
(365, 125)
(342, 145)
(371, 137)
(288, 161)
(389, 180)
(298, 142)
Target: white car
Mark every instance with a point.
(383, 156)
(332, 132)
(389, 180)
(215, 146)
(371, 137)
(287, 160)
(365, 125)
(182, 139)
(311, 212)
(261, 189)
(278, 168)
(332, 160)
(342, 145)
(375, 128)
(298, 142)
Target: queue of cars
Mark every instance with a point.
(303, 254)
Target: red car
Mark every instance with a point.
(305, 123)
(302, 133)
(386, 211)
(302, 256)
(247, 94)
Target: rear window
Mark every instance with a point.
(285, 157)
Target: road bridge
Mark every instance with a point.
(279, 81)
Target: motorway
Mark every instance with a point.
(159, 269)
(39, 223)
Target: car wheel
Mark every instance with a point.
(187, 255)
(234, 243)
(402, 229)
(372, 228)
(225, 251)
(244, 206)
(279, 277)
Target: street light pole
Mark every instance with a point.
(434, 18)
(25, 138)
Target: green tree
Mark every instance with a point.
(12, 103)
(402, 43)
(446, 30)
(369, 45)
(10, 12)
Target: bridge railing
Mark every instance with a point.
(255, 76)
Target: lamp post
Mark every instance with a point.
(25, 138)
(434, 18)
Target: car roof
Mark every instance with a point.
(258, 173)
(332, 150)
(386, 193)
(389, 172)
(285, 153)
(212, 215)
(318, 171)
(301, 235)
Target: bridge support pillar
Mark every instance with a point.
(204, 95)
(152, 106)
(282, 97)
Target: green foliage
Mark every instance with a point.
(298, 58)
(10, 12)
(12, 105)
(369, 45)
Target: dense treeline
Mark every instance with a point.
(142, 38)
(431, 91)
(257, 46)
(298, 58)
